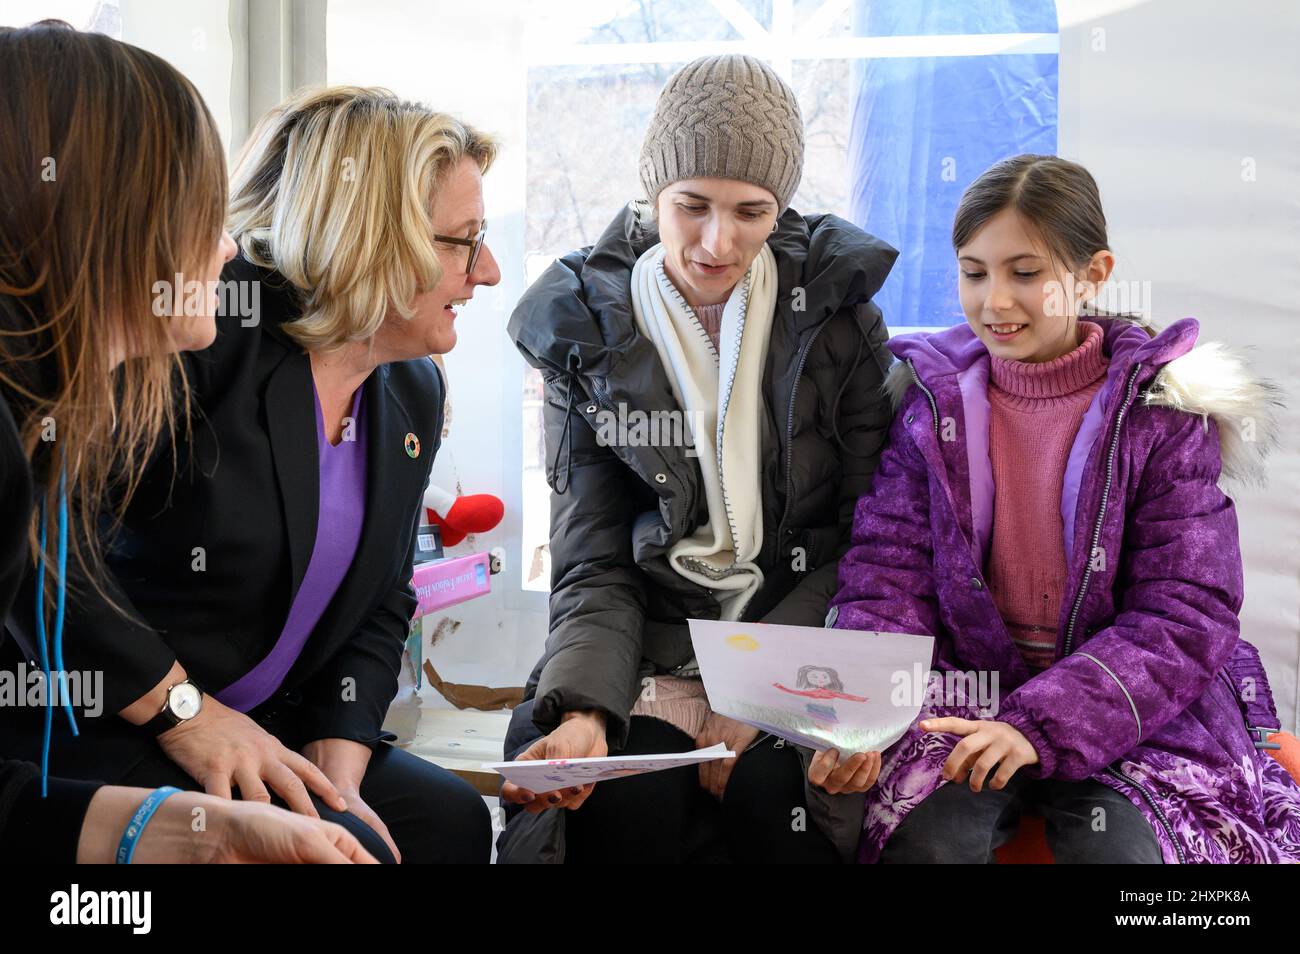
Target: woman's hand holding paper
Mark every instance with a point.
(580, 735)
(736, 735)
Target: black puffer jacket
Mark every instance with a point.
(617, 609)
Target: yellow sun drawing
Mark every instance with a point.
(742, 642)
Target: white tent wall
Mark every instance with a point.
(1185, 111)
(196, 40)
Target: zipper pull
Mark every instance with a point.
(1260, 735)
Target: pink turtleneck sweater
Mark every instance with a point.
(710, 319)
(1034, 413)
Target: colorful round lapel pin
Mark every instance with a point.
(412, 446)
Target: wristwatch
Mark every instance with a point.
(184, 702)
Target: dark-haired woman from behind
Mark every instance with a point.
(112, 180)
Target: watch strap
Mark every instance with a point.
(165, 720)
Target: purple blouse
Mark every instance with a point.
(340, 515)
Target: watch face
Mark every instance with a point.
(184, 700)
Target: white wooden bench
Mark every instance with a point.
(460, 740)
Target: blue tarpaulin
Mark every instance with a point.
(924, 128)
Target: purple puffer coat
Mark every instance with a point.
(1153, 688)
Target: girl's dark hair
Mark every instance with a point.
(1057, 197)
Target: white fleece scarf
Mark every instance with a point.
(722, 394)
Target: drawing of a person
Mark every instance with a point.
(822, 683)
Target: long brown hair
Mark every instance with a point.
(112, 179)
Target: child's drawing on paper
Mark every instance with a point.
(821, 683)
(577, 774)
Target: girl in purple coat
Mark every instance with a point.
(1049, 510)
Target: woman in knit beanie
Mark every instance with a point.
(710, 305)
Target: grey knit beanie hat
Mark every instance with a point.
(725, 117)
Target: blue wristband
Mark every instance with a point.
(126, 847)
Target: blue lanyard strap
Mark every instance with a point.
(131, 836)
(61, 584)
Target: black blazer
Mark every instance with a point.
(217, 539)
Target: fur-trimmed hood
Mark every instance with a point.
(1210, 380)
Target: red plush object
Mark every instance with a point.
(472, 513)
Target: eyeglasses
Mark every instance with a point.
(475, 244)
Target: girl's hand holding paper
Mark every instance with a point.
(857, 773)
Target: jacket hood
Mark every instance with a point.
(1210, 380)
(578, 314)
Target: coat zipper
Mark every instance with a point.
(1110, 474)
(1083, 589)
(934, 406)
(1101, 512)
(1150, 800)
(789, 431)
